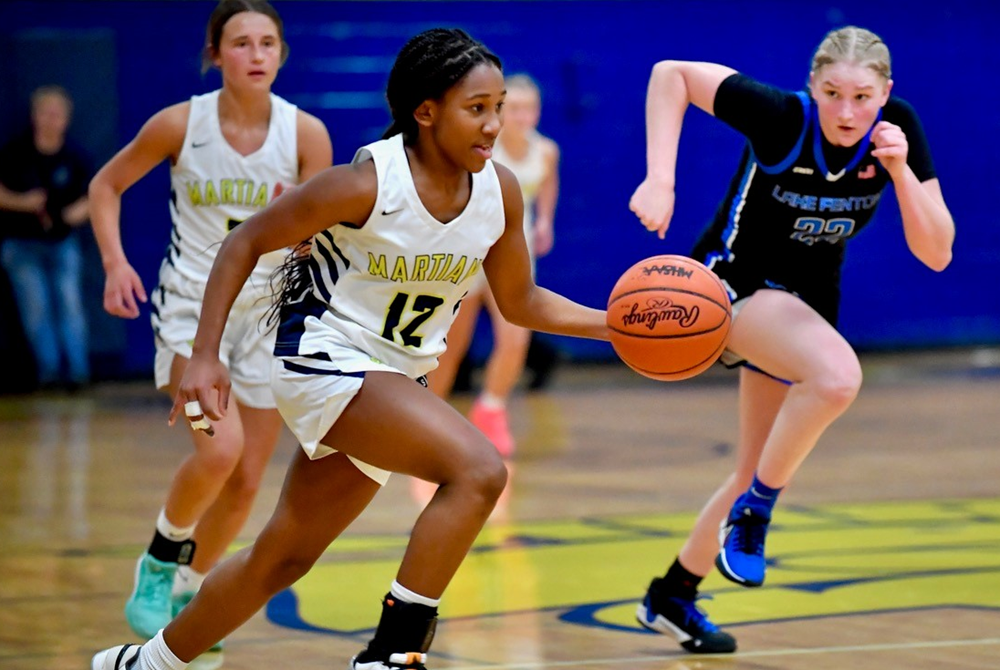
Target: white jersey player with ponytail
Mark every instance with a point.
(232, 152)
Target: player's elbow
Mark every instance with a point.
(514, 314)
(664, 70)
(939, 261)
(103, 186)
(515, 311)
(937, 256)
(97, 186)
(240, 245)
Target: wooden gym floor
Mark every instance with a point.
(886, 549)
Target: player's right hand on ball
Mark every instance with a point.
(121, 290)
(205, 381)
(653, 203)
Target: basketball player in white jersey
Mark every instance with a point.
(232, 152)
(398, 237)
(534, 160)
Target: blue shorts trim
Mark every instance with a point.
(306, 370)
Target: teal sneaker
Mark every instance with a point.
(148, 608)
(179, 602)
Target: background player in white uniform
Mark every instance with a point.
(232, 152)
(534, 160)
(397, 241)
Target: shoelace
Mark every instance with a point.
(694, 616)
(157, 588)
(750, 532)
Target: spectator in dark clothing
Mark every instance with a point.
(43, 201)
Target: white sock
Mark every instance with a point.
(490, 401)
(170, 531)
(408, 596)
(156, 655)
(186, 580)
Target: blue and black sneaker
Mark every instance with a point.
(682, 618)
(741, 537)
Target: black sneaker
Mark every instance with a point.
(401, 641)
(681, 618)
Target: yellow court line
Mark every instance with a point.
(902, 646)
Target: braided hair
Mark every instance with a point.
(854, 45)
(426, 67)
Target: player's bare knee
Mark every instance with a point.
(220, 461)
(277, 579)
(839, 387)
(488, 476)
(277, 567)
(288, 571)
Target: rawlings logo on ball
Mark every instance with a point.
(661, 309)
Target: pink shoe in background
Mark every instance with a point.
(493, 423)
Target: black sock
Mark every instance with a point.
(162, 548)
(680, 582)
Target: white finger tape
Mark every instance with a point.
(193, 408)
(201, 424)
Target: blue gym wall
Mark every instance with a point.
(592, 60)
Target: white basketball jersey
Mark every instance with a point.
(530, 172)
(391, 288)
(214, 188)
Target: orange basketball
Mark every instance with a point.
(669, 317)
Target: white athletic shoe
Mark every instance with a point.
(122, 657)
(365, 661)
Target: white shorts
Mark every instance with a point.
(246, 349)
(311, 394)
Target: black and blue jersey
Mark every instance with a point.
(796, 199)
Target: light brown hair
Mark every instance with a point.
(854, 45)
(226, 10)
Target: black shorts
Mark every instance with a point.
(818, 289)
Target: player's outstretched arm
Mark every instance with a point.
(521, 301)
